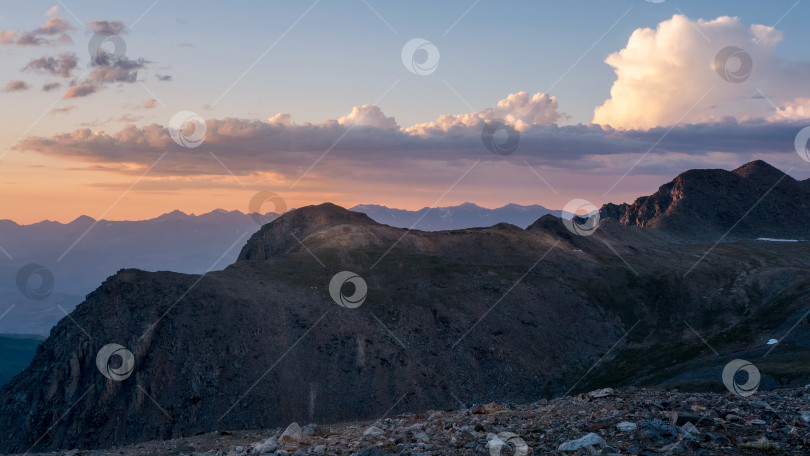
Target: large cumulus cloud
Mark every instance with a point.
(667, 75)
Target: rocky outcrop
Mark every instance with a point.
(753, 201)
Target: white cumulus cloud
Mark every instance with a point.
(668, 75)
(368, 115)
(520, 109)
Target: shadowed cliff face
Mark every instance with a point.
(477, 315)
(704, 204)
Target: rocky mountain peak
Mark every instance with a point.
(760, 170)
(286, 231)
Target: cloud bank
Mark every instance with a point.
(368, 139)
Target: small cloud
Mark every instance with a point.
(163, 77)
(55, 25)
(52, 12)
(105, 26)
(63, 110)
(62, 65)
(81, 90)
(7, 36)
(51, 86)
(29, 39)
(125, 70)
(16, 86)
(64, 39)
(148, 104)
(129, 118)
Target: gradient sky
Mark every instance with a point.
(247, 62)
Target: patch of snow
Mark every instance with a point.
(773, 342)
(777, 240)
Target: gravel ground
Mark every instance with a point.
(626, 422)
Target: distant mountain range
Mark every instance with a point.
(175, 241)
(467, 215)
(473, 315)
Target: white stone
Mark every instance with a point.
(373, 430)
(590, 439)
(690, 428)
(292, 434)
(604, 392)
(267, 446)
(626, 426)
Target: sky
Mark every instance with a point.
(405, 104)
